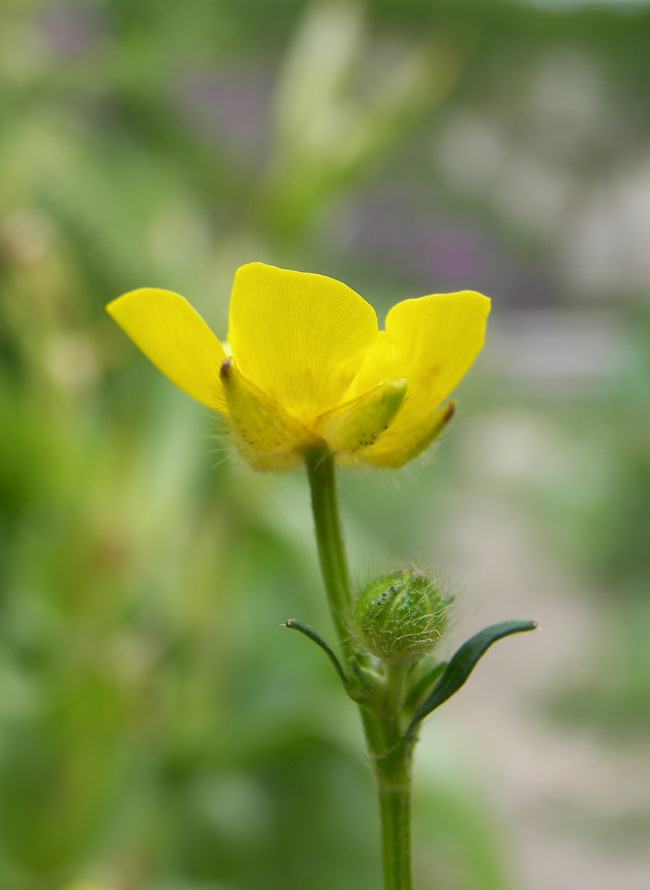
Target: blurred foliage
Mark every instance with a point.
(158, 731)
(612, 693)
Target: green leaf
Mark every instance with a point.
(310, 633)
(425, 682)
(464, 661)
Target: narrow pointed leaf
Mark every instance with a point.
(310, 633)
(464, 661)
(427, 682)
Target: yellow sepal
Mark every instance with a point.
(268, 437)
(395, 450)
(358, 423)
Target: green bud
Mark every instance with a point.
(401, 617)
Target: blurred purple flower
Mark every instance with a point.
(451, 252)
(228, 108)
(71, 30)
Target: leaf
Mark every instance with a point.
(464, 661)
(426, 682)
(310, 633)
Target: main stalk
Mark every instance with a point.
(389, 752)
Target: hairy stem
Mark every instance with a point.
(329, 538)
(389, 751)
(393, 772)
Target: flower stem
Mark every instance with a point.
(393, 773)
(390, 751)
(395, 808)
(329, 538)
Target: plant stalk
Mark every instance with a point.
(391, 758)
(390, 752)
(329, 538)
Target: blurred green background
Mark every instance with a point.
(158, 729)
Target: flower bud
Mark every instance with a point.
(401, 617)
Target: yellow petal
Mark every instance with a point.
(408, 446)
(378, 365)
(299, 337)
(176, 339)
(359, 422)
(434, 340)
(269, 438)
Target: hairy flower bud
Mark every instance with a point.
(401, 617)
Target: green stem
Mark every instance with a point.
(329, 537)
(393, 774)
(391, 754)
(389, 751)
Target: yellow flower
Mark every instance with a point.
(309, 365)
